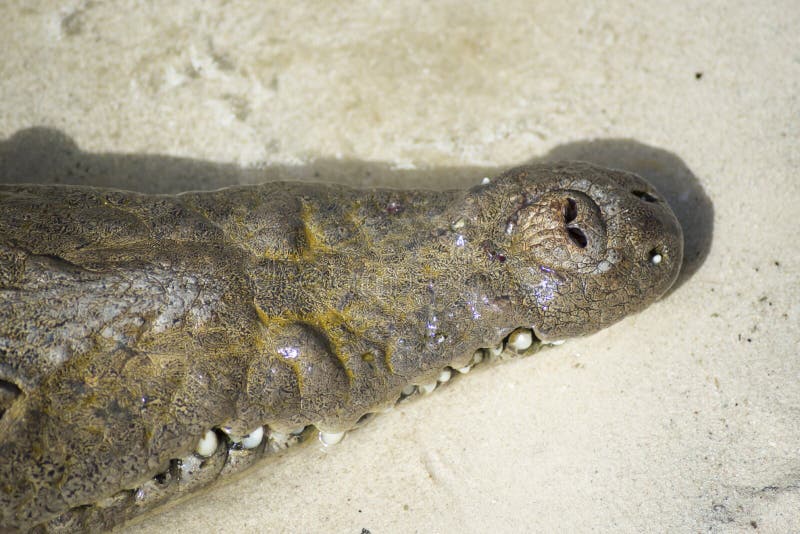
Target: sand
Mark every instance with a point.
(684, 418)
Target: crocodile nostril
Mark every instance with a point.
(570, 211)
(644, 195)
(577, 236)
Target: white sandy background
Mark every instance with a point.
(685, 418)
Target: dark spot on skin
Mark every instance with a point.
(497, 256)
(393, 208)
(698, 75)
(493, 254)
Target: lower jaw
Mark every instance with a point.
(221, 455)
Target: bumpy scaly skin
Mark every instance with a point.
(131, 324)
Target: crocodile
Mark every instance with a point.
(152, 345)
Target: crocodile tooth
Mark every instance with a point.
(427, 388)
(330, 438)
(207, 444)
(445, 375)
(253, 439)
(520, 339)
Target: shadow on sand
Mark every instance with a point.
(48, 156)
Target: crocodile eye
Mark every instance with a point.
(644, 195)
(654, 256)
